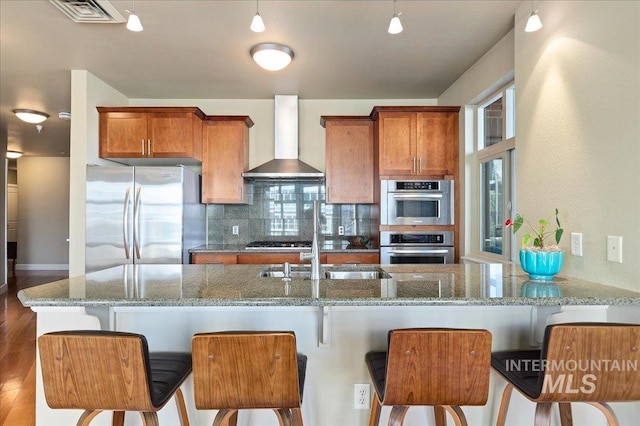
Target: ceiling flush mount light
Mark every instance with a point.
(30, 116)
(395, 26)
(271, 56)
(64, 115)
(257, 25)
(133, 23)
(14, 154)
(533, 23)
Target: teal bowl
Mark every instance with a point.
(541, 265)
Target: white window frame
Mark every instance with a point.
(504, 150)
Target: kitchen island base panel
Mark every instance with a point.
(332, 370)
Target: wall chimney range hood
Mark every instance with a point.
(286, 164)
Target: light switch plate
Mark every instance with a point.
(614, 249)
(576, 243)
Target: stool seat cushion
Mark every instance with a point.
(522, 368)
(302, 371)
(168, 371)
(377, 365)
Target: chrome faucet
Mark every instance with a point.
(314, 256)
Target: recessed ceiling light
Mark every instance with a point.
(30, 115)
(271, 56)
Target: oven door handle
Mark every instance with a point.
(417, 196)
(420, 251)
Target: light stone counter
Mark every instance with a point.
(336, 323)
(241, 285)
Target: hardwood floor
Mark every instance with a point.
(18, 350)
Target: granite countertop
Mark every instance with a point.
(242, 285)
(325, 247)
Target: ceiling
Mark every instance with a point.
(200, 50)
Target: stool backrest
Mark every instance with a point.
(590, 362)
(438, 367)
(95, 370)
(239, 370)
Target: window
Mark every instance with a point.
(496, 156)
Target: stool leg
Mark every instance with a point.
(297, 416)
(374, 416)
(87, 416)
(226, 417)
(118, 418)
(397, 415)
(457, 414)
(284, 416)
(543, 414)
(182, 408)
(566, 417)
(504, 404)
(149, 418)
(440, 415)
(612, 420)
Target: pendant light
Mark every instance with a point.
(30, 115)
(271, 56)
(533, 23)
(395, 26)
(133, 23)
(257, 25)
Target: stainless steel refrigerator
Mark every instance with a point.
(142, 215)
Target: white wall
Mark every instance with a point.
(43, 213)
(87, 92)
(488, 74)
(578, 131)
(3, 214)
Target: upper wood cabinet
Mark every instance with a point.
(350, 166)
(417, 141)
(225, 157)
(151, 132)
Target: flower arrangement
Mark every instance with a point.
(539, 233)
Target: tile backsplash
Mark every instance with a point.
(283, 210)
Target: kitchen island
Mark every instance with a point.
(336, 321)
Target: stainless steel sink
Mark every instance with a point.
(339, 273)
(274, 273)
(357, 275)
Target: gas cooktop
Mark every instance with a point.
(278, 245)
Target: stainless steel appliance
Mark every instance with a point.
(416, 202)
(142, 215)
(434, 247)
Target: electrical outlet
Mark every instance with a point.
(361, 395)
(235, 230)
(576, 244)
(340, 230)
(614, 249)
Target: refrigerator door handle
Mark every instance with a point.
(136, 214)
(125, 222)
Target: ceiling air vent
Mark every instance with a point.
(89, 11)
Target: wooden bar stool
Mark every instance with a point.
(576, 364)
(443, 368)
(106, 370)
(247, 370)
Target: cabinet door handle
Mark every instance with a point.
(149, 147)
(420, 165)
(142, 146)
(414, 165)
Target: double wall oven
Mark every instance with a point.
(418, 209)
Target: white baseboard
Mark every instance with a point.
(3, 288)
(42, 267)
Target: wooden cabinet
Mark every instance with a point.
(226, 258)
(353, 258)
(350, 160)
(225, 157)
(151, 132)
(417, 141)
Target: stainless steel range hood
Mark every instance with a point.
(286, 164)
